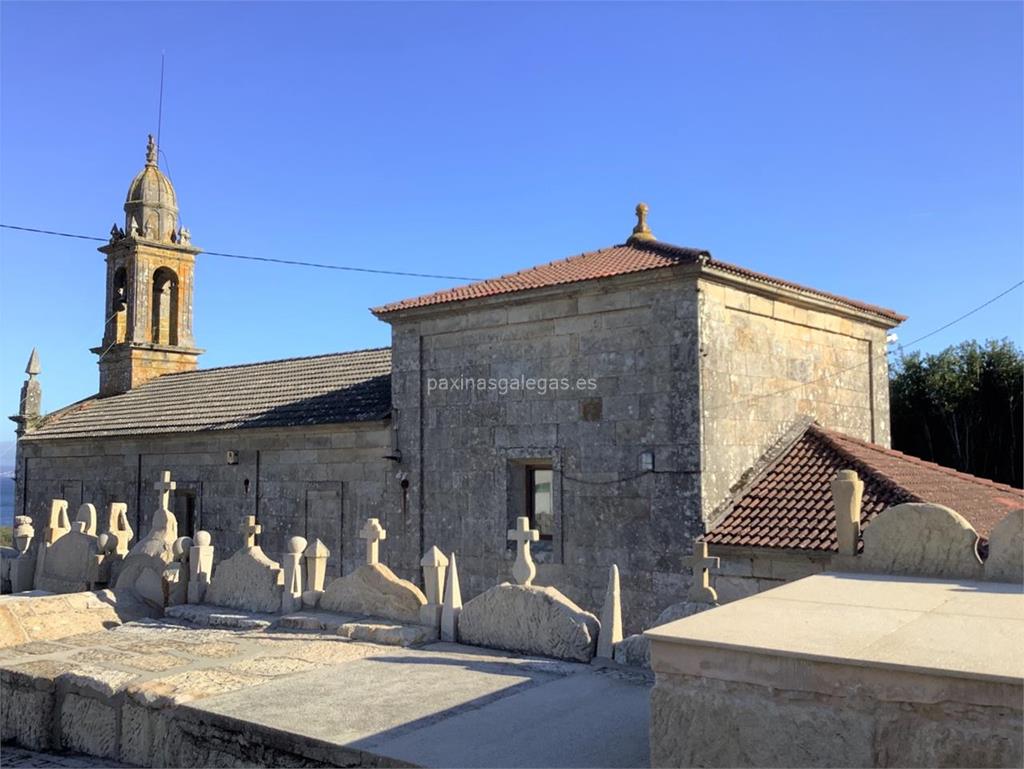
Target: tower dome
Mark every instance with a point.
(151, 207)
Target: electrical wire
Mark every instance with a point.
(247, 257)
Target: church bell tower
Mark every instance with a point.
(150, 268)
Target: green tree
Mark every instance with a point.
(962, 408)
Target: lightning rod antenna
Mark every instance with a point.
(160, 107)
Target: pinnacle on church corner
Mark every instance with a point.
(33, 367)
(641, 231)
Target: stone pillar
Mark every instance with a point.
(200, 567)
(23, 568)
(611, 617)
(176, 575)
(434, 565)
(316, 571)
(291, 596)
(452, 604)
(847, 493)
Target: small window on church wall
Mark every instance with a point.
(539, 499)
(165, 307)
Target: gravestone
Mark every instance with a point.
(373, 589)
(636, 649)
(921, 539)
(1005, 561)
(141, 576)
(248, 580)
(71, 562)
(530, 620)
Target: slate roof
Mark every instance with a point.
(788, 504)
(323, 389)
(630, 257)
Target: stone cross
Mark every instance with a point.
(700, 586)
(249, 529)
(524, 569)
(373, 533)
(165, 486)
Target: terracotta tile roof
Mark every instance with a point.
(324, 389)
(789, 504)
(634, 256)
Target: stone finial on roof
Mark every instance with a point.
(33, 367)
(642, 231)
(151, 152)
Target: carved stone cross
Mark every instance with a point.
(373, 533)
(524, 569)
(165, 486)
(700, 586)
(249, 529)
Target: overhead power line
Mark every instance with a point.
(292, 262)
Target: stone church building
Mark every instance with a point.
(624, 399)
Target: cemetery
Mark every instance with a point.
(157, 653)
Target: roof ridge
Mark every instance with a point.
(856, 463)
(987, 482)
(263, 363)
(766, 278)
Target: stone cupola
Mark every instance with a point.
(151, 207)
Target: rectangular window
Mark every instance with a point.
(540, 500)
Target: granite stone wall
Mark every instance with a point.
(635, 338)
(315, 482)
(758, 349)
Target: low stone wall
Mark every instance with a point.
(700, 721)
(844, 670)
(744, 571)
(36, 616)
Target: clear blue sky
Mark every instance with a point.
(868, 149)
